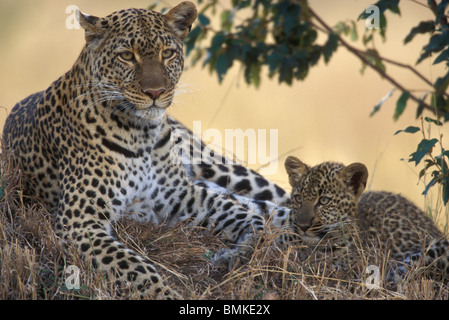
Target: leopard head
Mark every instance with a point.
(133, 58)
(324, 195)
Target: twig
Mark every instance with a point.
(402, 65)
(361, 55)
(419, 3)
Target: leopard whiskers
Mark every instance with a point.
(104, 91)
(181, 89)
(115, 102)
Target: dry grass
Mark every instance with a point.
(34, 263)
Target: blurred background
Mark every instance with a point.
(325, 117)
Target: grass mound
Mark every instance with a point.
(36, 264)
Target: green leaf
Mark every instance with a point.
(255, 74)
(273, 60)
(354, 35)
(383, 5)
(341, 27)
(373, 57)
(226, 20)
(367, 38)
(424, 147)
(422, 27)
(192, 38)
(290, 13)
(437, 122)
(410, 129)
(383, 25)
(445, 190)
(442, 83)
(286, 70)
(217, 42)
(330, 47)
(443, 56)
(429, 164)
(154, 5)
(379, 104)
(222, 65)
(437, 43)
(205, 21)
(401, 104)
(421, 104)
(240, 4)
(430, 184)
(440, 10)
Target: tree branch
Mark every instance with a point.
(402, 65)
(362, 56)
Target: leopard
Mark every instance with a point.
(98, 146)
(330, 206)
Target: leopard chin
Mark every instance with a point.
(152, 113)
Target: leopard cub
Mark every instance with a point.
(329, 198)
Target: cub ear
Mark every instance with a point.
(180, 19)
(295, 168)
(355, 177)
(91, 25)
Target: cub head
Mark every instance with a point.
(134, 57)
(324, 195)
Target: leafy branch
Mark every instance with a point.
(372, 59)
(282, 36)
(439, 163)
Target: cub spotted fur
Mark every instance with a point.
(329, 198)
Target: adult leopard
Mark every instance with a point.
(97, 145)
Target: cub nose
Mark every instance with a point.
(304, 227)
(154, 94)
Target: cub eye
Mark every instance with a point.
(297, 198)
(167, 54)
(127, 56)
(324, 200)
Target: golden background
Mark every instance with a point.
(325, 117)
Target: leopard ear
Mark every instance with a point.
(295, 168)
(355, 177)
(180, 18)
(91, 25)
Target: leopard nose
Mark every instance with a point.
(154, 94)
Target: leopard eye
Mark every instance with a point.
(167, 54)
(297, 199)
(127, 56)
(324, 200)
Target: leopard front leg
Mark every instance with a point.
(228, 219)
(85, 220)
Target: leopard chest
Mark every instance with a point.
(144, 188)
